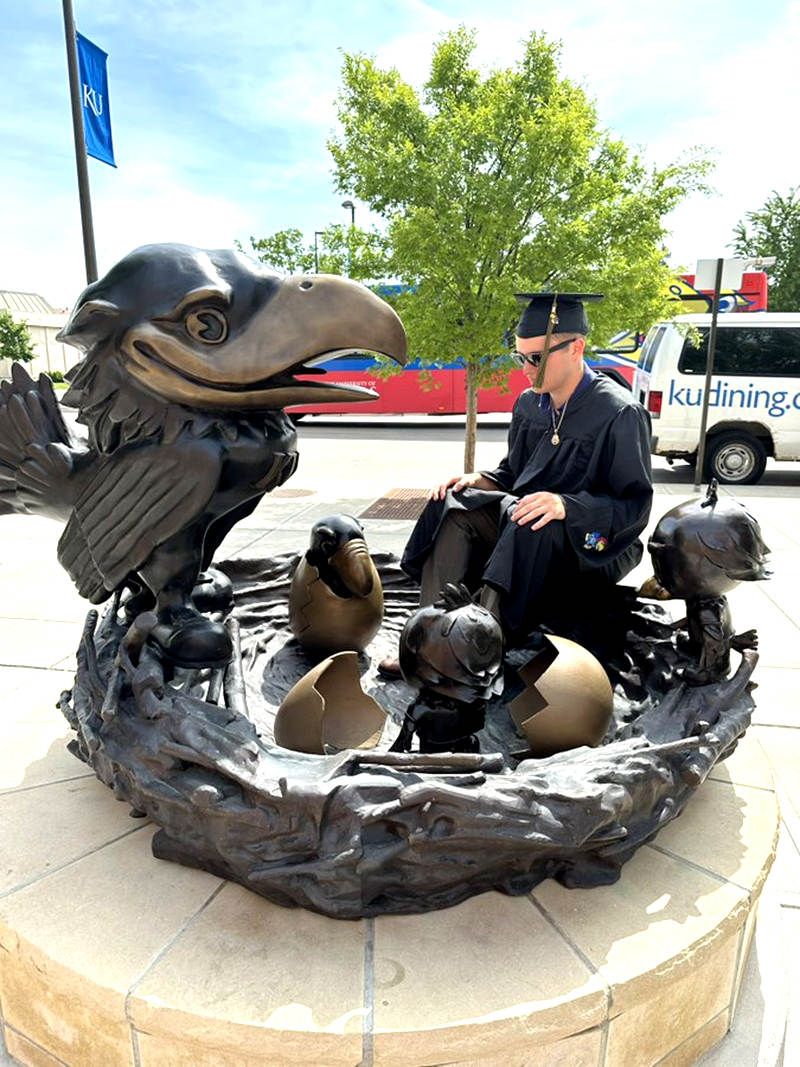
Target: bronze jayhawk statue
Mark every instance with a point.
(190, 357)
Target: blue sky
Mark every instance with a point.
(220, 116)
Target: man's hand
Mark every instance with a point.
(541, 507)
(461, 481)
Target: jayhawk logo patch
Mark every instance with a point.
(595, 542)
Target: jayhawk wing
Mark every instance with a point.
(37, 451)
(135, 501)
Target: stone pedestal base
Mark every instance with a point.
(109, 956)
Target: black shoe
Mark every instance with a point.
(193, 641)
(390, 668)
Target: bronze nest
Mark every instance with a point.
(360, 833)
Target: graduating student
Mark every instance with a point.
(560, 517)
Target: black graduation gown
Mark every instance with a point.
(601, 469)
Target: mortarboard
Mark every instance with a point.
(570, 316)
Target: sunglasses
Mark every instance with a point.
(535, 358)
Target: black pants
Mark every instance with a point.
(536, 572)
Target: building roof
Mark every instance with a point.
(31, 302)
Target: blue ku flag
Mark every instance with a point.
(94, 97)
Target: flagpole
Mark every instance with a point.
(80, 144)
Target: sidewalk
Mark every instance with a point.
(41, 616)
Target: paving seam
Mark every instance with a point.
(368, 1024)
(691, 1037)
(22, 667)
(741, 785)
(76, 859)
(167, 946)
(42, 666)
(741, 962)
(783, 612)
(53, 781)
(19, 1033)
(578, 952)
(789, 819)
(768, 926)
(135, 1052)
(699, 867)
(603, 1028)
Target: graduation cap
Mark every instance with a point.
(567, 309)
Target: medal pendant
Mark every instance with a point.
(555, 440)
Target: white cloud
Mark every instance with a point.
(145, 203)
(743, 103)
(221, 118)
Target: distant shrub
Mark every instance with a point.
(15, 341)
(56, 376)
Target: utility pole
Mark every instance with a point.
(87, 226)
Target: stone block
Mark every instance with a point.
(72, 945)
(28, 1053)
(658, 922)
(46, 827)
(36, 643)
(494, 976)
(748, 765)
(646, 1032)
(730, 830)
(253, 982)
(688, 1053)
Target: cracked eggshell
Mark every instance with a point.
(567, 701)
(328, 711)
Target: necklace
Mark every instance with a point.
(555, 440)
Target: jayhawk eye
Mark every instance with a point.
(207, 324)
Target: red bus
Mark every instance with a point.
(442, 390)
(432, 391)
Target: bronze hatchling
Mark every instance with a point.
(336, 599)
(452, 653)
(189, 358)
(701, 550)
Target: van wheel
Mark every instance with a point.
(736, 458)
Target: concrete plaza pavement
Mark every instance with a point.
(345, 466)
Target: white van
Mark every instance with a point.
(754, 404)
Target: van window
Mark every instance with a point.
(746, 350)
(651, 348)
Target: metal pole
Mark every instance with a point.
(352, 209)
(80, 144)
(712, 343)
(317, 233)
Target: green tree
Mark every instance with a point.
(15, 340)
(361, 254)
(774, 230)
(500, 182)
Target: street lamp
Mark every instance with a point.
(317, 233)
(352, 208)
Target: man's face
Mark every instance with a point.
(562, 362)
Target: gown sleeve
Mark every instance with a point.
(605, 519)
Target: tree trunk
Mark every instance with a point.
(471, 420)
